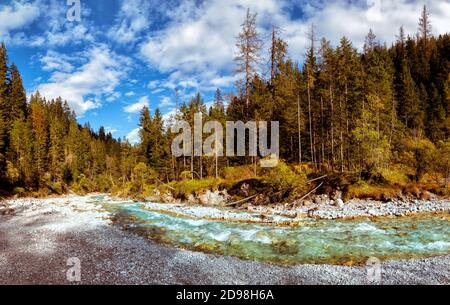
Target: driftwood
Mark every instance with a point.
(309, 193)
(242, 200)
(173, 189)
(318, 178)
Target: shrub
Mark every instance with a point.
(283, 179)
(394, 176)
(19, 191)
(364, 190)
(188, 187)
(420, 154)
(237, 173)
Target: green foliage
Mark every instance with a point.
(283, 179)
(364, 190)
(238, 173)
(420, 154)
(190, 187)
(381, 114)
(12, 173)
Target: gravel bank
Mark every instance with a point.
(359, 208)
(36, 242)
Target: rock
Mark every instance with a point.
(336, 195)
(321, 199)
(307, 202)
(7, 211)
(339, 203)
(261, 199)
(191, 199)
(244, 191)
(167, 197)
(215, 198)
(311, 212)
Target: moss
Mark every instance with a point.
(395, 176)
(19, 191)
(364, 190)
(188, 187)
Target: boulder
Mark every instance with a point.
(191, 199)
(215, 198)
(6, 211)
(167, 197)
(339, 203)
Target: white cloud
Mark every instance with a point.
(130, 93)
(165, 102)
(131, 21)
(133, 136)
(84, 87)
(48, 18)
(197, 46)
(154, 84)
(52, 61)
(16, 16)
(137, 107)
(109, 129)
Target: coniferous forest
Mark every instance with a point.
(375, 121)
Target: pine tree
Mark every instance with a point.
(17, 96)
(145, 133)
(249, 46)
(310, 75)
(4, 106)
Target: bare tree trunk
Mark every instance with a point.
(321, 130)
(299, 129)
(332, 128)
(310, 122)
(341, 134)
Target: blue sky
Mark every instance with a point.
(124, 54)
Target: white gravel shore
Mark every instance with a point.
(37, 241)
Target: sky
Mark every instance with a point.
(122, 55)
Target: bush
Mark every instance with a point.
(188, 187)
(283, 179)
(19, 191)
(420, 154)
(394, 176)
(237, 173)
(57, 187)
(364, 190)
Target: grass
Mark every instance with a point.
(363, 190)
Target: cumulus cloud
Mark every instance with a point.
(131, 21)
(17, 16)
(197, 46)
(84, 87)
(53, 60)
(133, 136)
(130, 93)
(138, 106)
(165, 102)
(19, 22)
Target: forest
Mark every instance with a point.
(375, 121)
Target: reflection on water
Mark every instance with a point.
(315, 241)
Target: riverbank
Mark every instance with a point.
(43, 233)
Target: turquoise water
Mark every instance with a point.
(314, 241)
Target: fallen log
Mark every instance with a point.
(309, 193)
(242, 200)
(315, 179)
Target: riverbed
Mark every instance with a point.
(116, 245)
